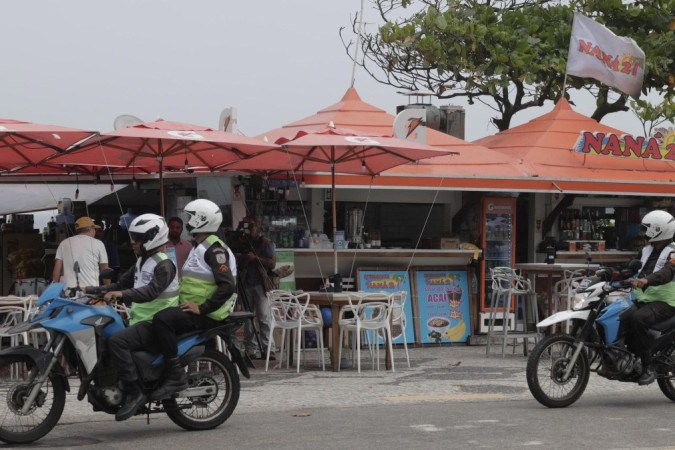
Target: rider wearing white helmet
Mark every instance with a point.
(149, 286)
(655, 288)
(207, 291)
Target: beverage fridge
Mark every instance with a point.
(498, 223)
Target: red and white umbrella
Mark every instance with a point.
(163, 146)
(338, 150)
(25, 144)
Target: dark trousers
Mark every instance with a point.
(170, 322)
(139, 336)
(639, 320)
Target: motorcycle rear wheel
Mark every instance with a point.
(215, 369)
(546, 366)
(17, 375)
(666, 384)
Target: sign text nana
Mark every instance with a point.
(657, 147)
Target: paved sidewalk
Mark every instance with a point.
(458, 373)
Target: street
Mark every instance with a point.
(452, 397)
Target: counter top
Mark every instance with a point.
(597, 256)
(315, 263)
(383, 251)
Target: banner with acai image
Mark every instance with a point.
(390, 281)
(443, 305)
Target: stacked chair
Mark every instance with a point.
(513, 294)
(290, 312)
(367, 313)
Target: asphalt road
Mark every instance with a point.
(626, 420)
(451, 397)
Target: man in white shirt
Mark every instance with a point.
(86, 250)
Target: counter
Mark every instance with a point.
(606, 257)
(350, 259)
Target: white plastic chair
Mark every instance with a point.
(11, 315)
(563, 291)
(37, 336)
(398, 318)
(366, 312)
(290, 312)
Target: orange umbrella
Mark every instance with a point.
(156, 147)
(339, 150)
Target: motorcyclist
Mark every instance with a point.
(149, 286)
(655, 288)
(207, 291)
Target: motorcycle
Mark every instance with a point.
(559, 367)
(34, 381)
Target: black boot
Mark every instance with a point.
(133, 399)
(648, 376)
(176, 380)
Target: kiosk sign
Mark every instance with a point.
(660, 147)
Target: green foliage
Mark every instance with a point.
(510, 55)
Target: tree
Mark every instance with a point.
(510, 55)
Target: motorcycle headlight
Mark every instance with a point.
(580, 300)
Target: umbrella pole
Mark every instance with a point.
(332, 196)
(161, 186)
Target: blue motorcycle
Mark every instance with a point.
(559, 367)
(34, 381)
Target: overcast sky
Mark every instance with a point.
(81, 63)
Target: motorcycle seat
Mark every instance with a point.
(666, 325)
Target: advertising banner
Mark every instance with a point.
(443, 305)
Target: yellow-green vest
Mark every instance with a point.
(140, 312)
(664, 293)
(198, 283)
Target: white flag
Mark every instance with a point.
(596, 52)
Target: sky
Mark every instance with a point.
(81, 63)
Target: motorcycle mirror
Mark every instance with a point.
(76, 267)
(635, 265)
(605, 274)
(106, 274)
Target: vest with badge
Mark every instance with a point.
(198, 283)
(140, 312)
(664, 293)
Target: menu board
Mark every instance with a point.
(285, 268)
(443, 305)
(372, 280)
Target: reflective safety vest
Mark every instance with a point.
(664, 293)
(198, 283)
(141, 312)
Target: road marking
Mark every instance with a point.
(429, 428)
(457, 397)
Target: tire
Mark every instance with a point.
(16, 375)
(545, 367)
(666, 380)
(206, 412)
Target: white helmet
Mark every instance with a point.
(204, 216)
(658, 226)
(151, 230)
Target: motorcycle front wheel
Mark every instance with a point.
(214, 370)
(17, 378)
(545, 372)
